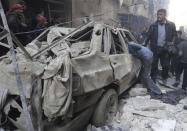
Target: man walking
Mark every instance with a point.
(175, 57)
(146, 57)
(183, 63)
(161, 36)
(176, 64)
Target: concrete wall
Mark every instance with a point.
(95, 9)
(135, 15)
(139, 13)
(158, 4)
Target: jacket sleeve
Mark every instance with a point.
(174, 33)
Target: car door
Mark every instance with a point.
(93, 68)
(128, 37)
(121, 60)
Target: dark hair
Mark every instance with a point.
(162, 10)
(22, 2)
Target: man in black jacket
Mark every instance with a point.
(17, 22)
(161, 36)
(183, 62)
(176, 66)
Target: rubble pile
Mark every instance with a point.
(142, 113)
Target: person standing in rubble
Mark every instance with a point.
(182, 65)
(175, 57)
(176, 65)
(161, 36)
(17, 22)
(16, 19)
(146, 57)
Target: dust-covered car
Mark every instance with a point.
(71, 79)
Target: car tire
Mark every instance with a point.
(106, 108)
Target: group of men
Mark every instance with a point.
(167, 48)
(21, 20)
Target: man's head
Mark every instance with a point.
(23, 3)
(41, 20)
(16, 8)
(179, 34)
(161, 16)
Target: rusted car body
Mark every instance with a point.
(68, 73)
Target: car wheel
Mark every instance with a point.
(106, 108)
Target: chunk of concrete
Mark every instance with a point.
(183, 101)
(141, 103)
(182, 116)
(138, 90)
(164, 125)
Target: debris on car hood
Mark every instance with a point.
(46, 68)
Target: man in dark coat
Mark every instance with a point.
(17, 22)
(16, 19)
(175, 57)
(161, 36)
(183, 63)
(175, 64)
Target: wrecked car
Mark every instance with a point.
(71, 76)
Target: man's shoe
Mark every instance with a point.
(155, 90)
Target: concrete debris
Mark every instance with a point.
(171, 97)
(182, 116)
(142, 113)
(164, 125)
(8, 79)
(56, 32)
(112, 127)
(138, 90)
(183, 101)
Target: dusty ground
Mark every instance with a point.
(141, 111)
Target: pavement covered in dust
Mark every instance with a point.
(143, 111)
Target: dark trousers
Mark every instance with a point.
(179, 71)
(175, 60)
(163, 56)
(182, 67)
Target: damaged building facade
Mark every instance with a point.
(56, 11)
(132, 14)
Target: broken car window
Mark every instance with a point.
(116, 44)
(80, 42)
(127, 36)
(84, 35)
